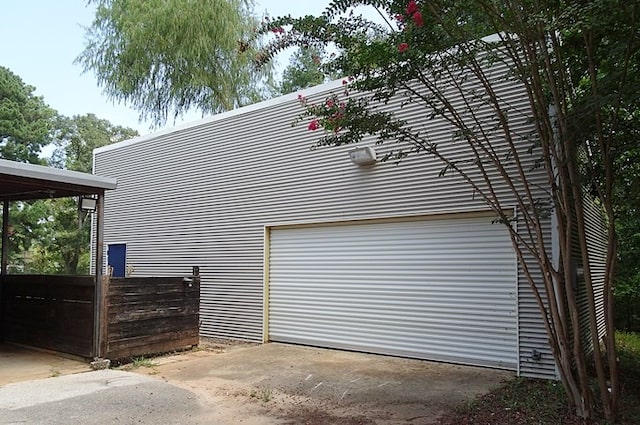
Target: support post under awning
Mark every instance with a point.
(99, 264)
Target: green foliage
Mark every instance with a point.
(305, 70)
(166, 57)
(27, 227)
(629, 351)
(25, 120)
(614, 102)
(50, 236)
(627, 193)
(65, 248)
(76, 138)
(628, 344)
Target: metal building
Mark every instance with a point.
(304, 246)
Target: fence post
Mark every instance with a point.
(104, 315)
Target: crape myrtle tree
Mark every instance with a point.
(576, 64)
(166, 57)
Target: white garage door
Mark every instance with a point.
(441, 289)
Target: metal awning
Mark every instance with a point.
(19, 181)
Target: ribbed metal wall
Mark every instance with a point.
(202, 195)
(440, 289)
(597, 248)
(532, 335)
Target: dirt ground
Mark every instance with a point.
(286, 384)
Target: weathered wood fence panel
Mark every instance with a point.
(147, 315)
(52, 312)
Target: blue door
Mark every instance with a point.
(117, 258)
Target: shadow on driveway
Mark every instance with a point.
(19, 363)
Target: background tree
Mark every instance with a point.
(27, 228)
(25, 127)
(51, 236)
(25, 120)
(305, 69)
(75, 139)
(169, 56)
(63, 243)
(627, 195)
(578, 65)
(65, 250)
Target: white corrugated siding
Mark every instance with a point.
(202, 194)
(532, 334)
(440, 289)
(596, 232)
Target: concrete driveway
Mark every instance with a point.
(254, 385)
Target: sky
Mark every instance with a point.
(41, 39)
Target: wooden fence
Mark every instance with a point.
(138, 315)
(144, 315)
(52, 312)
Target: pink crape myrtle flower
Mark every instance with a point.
(403, 47)
(314, 125)
(412, 8)
(417, 19)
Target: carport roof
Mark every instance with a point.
(19, 181)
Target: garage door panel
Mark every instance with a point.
(424, 301)
(386, 319)
(408, 332)
(350, 304)
(456, 353)
(438, 289)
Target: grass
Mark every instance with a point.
(628, 344)
(529, 401)
(137, 363)
(263, 394)
(142, 362)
